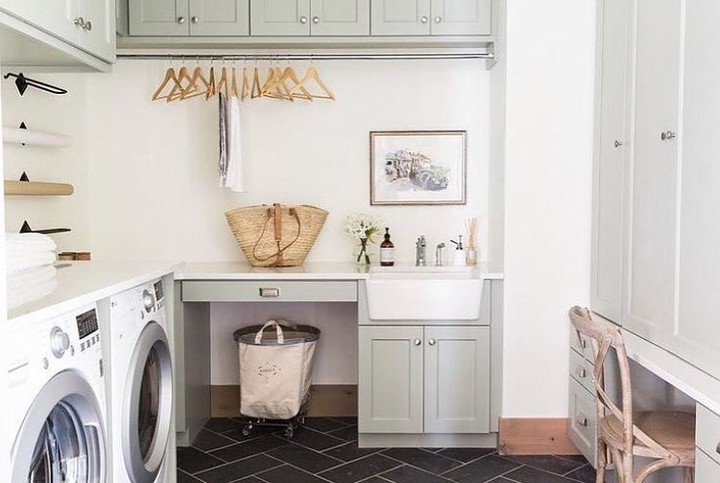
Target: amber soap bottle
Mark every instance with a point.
(387, 251)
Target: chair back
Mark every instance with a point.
(604, 336)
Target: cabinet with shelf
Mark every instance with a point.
(431, 17)
(188, 17)
(309, 17)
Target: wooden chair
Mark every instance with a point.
(668, 437)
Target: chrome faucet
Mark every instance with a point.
(420, 251)
(439, 254)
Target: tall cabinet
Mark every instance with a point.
(656, 188)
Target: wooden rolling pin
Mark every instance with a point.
(36, 188)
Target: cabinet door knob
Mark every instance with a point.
(80, 22)
(424, 19)
(195, 19)
(303, 20)
(667, 135)
(181, 20)
(316, 19)
(432, 342)
(617, 143)
(417, 342)
(438, 19)
(88, 26)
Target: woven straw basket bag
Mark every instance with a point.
(277, 235)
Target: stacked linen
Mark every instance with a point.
(30, 270)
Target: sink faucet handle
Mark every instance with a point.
(420, 241)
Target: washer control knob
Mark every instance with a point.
(148, 300)
(59, 342)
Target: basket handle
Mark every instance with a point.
(276, 212)
(278, 332)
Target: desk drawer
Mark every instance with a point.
(269, 291)
(582, 371)
(707, 434)
(706, 469)
(583, 415)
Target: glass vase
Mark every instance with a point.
(362, 255)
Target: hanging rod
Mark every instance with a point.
(310, 57)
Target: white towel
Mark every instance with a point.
(17, 243)
(27, 293)
(30, 277)
(26, 261)
(234, 176)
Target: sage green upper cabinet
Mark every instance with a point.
(188, 17)
(431, 17)
(86, 24)
(309, 17)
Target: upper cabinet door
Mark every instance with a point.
(400, 17)
(56, 17)
(697, 336)
(219, 17)
(98, 34)
(652, 208)
(340, 17)
(158, 17)
(611, 143)
(461, 17)
(280, 17)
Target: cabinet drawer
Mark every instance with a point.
(581, 344)
(707, 433)
(269, 291)
(582, 371)
(706, 469)
(583, 415)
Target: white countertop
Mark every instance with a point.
(307, 271)
(81, 283)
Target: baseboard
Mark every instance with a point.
(325, 401)
(528, 436)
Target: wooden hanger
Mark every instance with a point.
(246, 87)
(178, 90)
(222, 85)
(256, 90)
(193, 90)
(170, 76)
(212, 87)
(280, 90)
(313, 75)
(304, 93)
(234, 86)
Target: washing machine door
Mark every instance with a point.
(147, 405)
(62, 437)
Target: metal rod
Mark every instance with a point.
(311, 57)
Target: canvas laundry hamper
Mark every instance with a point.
(276, 364)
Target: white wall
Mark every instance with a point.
(154, 165)
(61, 114)
(5, 437)
(550, 68)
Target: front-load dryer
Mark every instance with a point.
(56, 403)
(141, 385)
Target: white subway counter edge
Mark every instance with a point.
(85, 282)
(307, 271)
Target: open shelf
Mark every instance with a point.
(36, 188)
(16, 135)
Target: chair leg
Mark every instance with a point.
(688, 475)
(602, 461)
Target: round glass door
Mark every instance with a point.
(61, 439)
(147, 405)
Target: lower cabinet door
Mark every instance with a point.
(457, 379)
(390, 377)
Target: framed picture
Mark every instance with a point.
(417, 167)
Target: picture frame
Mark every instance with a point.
(418, 167)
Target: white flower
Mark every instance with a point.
(363, 225)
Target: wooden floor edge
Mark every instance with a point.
(529, 436)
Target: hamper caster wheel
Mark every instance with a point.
(289, 431)
(247, 430)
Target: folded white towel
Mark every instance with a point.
(29, 242)
(27, 293)
(18, 263)
(30, 276)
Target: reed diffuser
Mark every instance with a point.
(470, 251)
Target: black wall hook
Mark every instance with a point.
(23, 83)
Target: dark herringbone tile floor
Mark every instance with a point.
(326, 451)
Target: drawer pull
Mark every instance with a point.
(583, 343)
(581, 373)
(269, 292)
(717, 448)
(581, 421)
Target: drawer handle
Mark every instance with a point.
(583, 343)
(581, 373)
(269, 292)
(581, 420)
(717, 448)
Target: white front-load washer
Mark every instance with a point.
(141, 385)
(56, 403)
